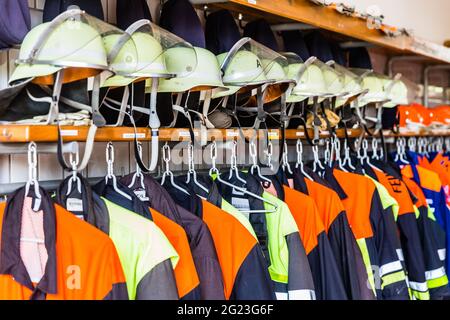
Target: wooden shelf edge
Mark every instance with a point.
(28, 133)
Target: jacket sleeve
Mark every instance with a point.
(328, 281)
(253, 280)
(349, 259)
(433, 242)
(413, 255)
(114, 274)
(158, 283)
(300, 281)
(390, 278)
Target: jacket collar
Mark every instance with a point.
(106, 190)
(334, 184)
(10, 260)
(190, 202)
(158, 197)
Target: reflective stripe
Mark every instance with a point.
(400, 254)
(442, 254)
(434, 274)
(393, 278)
(439, 282)
(281, 295)
(278, 277)
(390, 267)
(417, 212)
(418, 286)
(302, 295)
(366, 258)
(421, 295)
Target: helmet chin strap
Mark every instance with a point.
(154, 125)
(97, 120)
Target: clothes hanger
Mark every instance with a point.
(233, 166)
(401, 149)
(192, 169)
(285, 160)
(168, 172)
(365, 157)
(32, 176)
(347, 159)
(299, 164)
(110, 172)
(412, 143)
(317, 163)
(75, 178)
(327, 153)
(337, 148)
(138, 173)
(253, 156)
(375, 149)
(214, 171)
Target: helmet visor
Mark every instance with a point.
(149, 51)
(49, 45)
(251, 63)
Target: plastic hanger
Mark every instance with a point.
(327, 153)
(285, 159)
(110, 174)
(32, 176)
(401, 148)
(253, 156)
(75, 178)
(317, 164)
(347, 160)
(167, 172)
(412, 144)
(192, 169)
(215, 171)
(375, 149)
(337, 148)
(365, 156)
(233, 166)
(138, 173)
(299, 164)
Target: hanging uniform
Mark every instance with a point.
(328, 283)
(432, 188)
(279, 238)
(407, 224)
(199, 236)
(374, 231)
(216, 199)
(81, 263)
(433, 242)
(343, 243)
(185, 273)
(243, 267)
(439, 164)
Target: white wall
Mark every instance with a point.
(428, 18)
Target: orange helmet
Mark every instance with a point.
(413, 117)
(440, 116)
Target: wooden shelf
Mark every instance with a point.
(285, 11)
(28, 133)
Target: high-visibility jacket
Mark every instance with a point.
(81, 261)
(407, 223)
(374, 231)
(433, 190)
(440, 164)
(243, 267)
(148, 257)
(328, 282)
(343, 242)
(433, 242)
(199, 237)
(278, 236)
